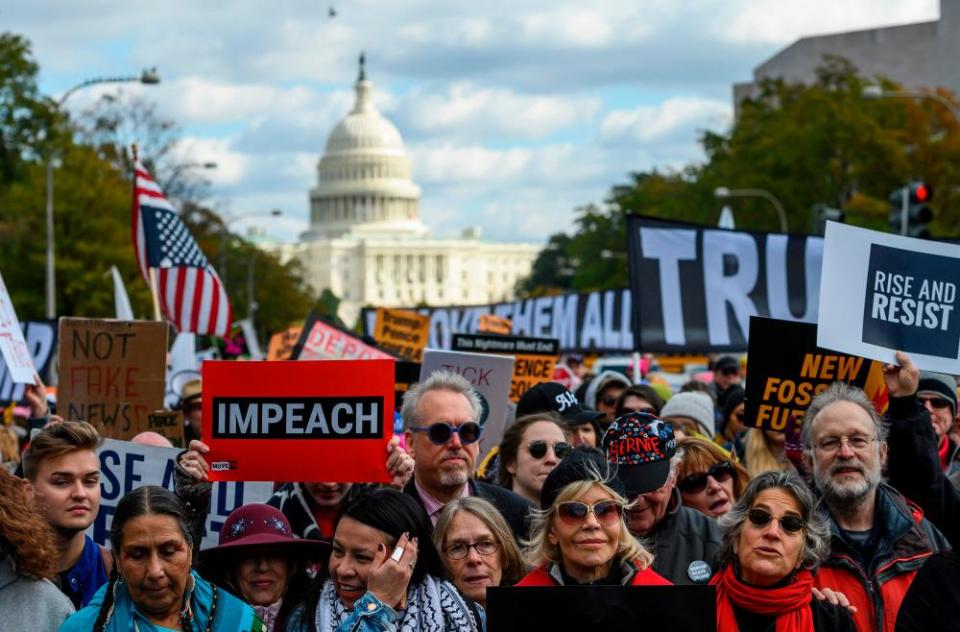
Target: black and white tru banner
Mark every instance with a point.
(695, 288)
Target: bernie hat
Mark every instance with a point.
(640, 445)
(258, 524)
(579, 465)
(939, 385)
(553, 397)
(693, 404)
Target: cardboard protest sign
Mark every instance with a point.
(125, 466)
(298, 421)
(168, 423)
(13, 346)
(534, 358)
(788, 369)
(41, 337)
(887, 292)
(320, 340)
(402, 333)
(282, 344)
(492, 324)
(112, 373)
(695, 287)
(491, 377)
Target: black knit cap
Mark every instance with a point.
(576, 466)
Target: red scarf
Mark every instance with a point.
(944, 451)
(790, 604)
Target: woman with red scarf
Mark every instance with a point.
(773, 538)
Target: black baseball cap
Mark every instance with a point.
(553, 397)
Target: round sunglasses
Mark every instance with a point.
(789, 524)
(574, 512)
(441, 432)
(538, 449)
(721, 471)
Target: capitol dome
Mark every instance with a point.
(364, 180)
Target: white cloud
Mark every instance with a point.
(650, 123)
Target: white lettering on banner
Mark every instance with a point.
(778, 292)
(590, 332)
(249, 418)
(125, 466)
(670, 246)
(735, 288)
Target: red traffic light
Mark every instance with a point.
(921, 192)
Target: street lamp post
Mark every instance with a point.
(874, 91)
(724, 193)
(147, 77)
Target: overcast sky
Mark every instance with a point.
(514, 112)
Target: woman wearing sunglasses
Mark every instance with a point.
(477, 548)
(773, 538)
(709, 480)
(529, 451)
(580, 537)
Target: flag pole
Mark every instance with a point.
(151, 272)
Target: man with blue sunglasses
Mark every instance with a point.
(442, 434)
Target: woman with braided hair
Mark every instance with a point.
(155, 589)
(28, 557)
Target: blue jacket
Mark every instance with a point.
(211, 607)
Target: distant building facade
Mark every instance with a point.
(366, 242)
(921, 55)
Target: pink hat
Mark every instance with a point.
(262, 525)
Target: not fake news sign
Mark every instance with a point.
(125, 466)
(327, 420)
(886, 293)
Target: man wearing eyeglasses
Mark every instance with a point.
(938, 394)
(440, 425)
(879, 539)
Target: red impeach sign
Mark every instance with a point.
(317, 421)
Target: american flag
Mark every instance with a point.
(189, 290)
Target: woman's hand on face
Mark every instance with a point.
(389, 579)
(834, 597)
(192, 460)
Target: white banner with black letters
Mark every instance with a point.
(695, 288)
(887, 292)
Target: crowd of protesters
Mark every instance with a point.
(626, 485)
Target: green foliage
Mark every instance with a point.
(823, 143)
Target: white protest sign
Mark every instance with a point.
(14, 348)
(881, 293)
(125, 466)
(490, 375)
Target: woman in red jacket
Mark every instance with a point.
(580, 536)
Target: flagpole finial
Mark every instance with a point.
(363, 70)
(133, 148)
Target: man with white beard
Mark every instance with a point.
(879, 539)
(441, 424)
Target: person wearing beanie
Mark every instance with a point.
(580, 536)
(938, 394)
(690, 413)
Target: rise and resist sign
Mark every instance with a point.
(298, 421)
(112, 373)
(534, 358)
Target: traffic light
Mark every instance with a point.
(909, 213)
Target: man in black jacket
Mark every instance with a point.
(440, 425)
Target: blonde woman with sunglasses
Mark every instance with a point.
(579, 536)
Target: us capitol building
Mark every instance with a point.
(366, 242)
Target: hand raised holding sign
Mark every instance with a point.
(399, 464)
(36, 396)
(192, 460)
(901, 380)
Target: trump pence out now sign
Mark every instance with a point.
(327, 420)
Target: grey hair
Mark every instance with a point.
(675, 461)
(839, 392)
(816, 532)
(438, 381)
